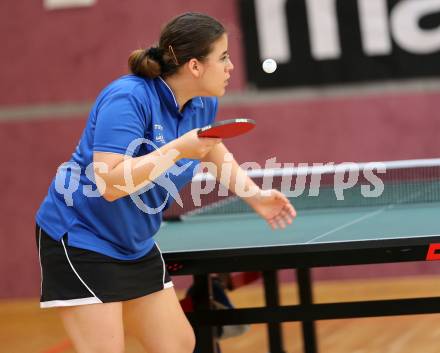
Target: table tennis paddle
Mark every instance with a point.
(227, 128)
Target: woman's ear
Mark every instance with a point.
(195, 67)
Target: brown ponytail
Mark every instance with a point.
(142, 64)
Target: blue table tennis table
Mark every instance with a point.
(384, 232)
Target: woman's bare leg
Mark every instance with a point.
(95, 328)
(159, 322)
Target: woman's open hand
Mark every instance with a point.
(274, 207)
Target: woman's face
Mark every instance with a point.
(216, 69)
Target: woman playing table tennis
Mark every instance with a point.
(99, 261)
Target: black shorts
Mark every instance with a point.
(73, 276)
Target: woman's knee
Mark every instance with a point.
(182, 341)
(188, 340)
(158, 321)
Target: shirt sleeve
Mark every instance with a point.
(120, 122)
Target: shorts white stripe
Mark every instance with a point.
(76, 273)
(168, 285)
(39, 260)
(70, 302)
(165, 285)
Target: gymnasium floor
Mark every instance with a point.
(24, 328)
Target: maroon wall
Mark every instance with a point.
(34, 150)
(68, 55)
(371, 128)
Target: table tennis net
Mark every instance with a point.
(322, 186)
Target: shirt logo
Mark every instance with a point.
(158, 135)
(160, 138)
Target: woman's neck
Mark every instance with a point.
(181, 88)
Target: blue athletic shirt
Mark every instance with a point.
(131, 116)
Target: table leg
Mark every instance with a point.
(271, 293)
(206, 341)
(306, 299)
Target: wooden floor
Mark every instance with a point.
(24, 328)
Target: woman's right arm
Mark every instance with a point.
(111, 169)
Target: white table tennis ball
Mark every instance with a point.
(269, 66)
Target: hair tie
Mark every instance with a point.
(156, 54)
(171, 50)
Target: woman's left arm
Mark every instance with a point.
(271, 205)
